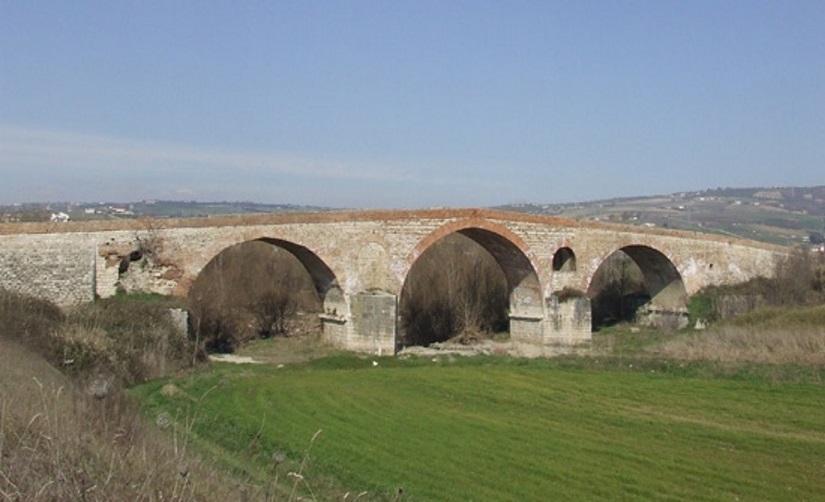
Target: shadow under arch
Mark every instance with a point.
(663, 296)
(324, 279)
(510, 252)
(261, 287)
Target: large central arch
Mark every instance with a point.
(526, 310)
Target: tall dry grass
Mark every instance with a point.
(75, 434)
(58, 443)
(735, 343)
(768, 335)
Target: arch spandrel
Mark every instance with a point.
(372, 271)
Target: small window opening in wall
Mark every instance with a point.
(711, 266)
(135, 255)
(564, 260)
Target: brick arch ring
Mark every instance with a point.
(474, 223)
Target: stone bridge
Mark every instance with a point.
(359, 261)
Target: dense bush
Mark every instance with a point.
(131, 340)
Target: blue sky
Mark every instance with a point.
(404, 104)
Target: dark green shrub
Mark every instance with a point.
(702, 306)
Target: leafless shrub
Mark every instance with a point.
(799, 279)
(455, 289)
(251, 290)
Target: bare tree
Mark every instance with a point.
(799, 279)
(250, 290)
(455, 289)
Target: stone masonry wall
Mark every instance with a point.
(60, 268)
(367, 253)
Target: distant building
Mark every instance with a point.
(59, 217)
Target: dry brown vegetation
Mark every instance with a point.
(771, 335)
(120, 340)
(251, 290)
(455, 289)
(57, 443)
(777, 321)
(74, 435)
(780, 346)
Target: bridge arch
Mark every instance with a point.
(658, 286)
(323, 278)
(262, 277)
(511, 254)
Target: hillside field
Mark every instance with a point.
(496, 428)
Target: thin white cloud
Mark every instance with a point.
(22, 148)
(41, 164)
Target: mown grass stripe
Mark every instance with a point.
(504, 432)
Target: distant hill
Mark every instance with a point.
(154, 208)
(779, 215)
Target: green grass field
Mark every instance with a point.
(504, 429)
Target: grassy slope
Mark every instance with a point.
(497, 429)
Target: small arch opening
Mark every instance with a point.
(564, 260)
